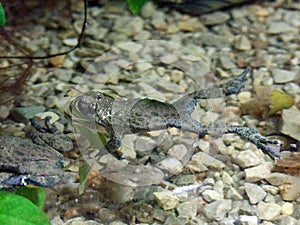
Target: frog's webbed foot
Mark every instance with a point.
(236, 84)
(43, 125)
(269, 146)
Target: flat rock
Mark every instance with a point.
(254, 192)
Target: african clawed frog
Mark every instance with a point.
(121, 117)
(33, 161)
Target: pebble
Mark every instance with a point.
(148, 9)
(242, 43)
(214, 40)
(283, 76)
(211, 195)
(290, 192)
(43, 115)
(158, 21)
(192, 25)
(176, 75)
(131, 47)
(279, 27)
(287, 208)
(23, 114)
(172, 165)
(178, 151)
(217, 209)
(291, 123)
(144, 145)
(215, 18)
(268, 211)
(259, 172)
(188, 209)
(166, 199)
(201, 158)
(254, 192)
(226, 178)
(247, 158)
(70, 42)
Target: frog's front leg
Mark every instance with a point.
(111, 147)
(187, 103)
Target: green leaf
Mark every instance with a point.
(36, 195)
(2, 16)
(84, 170)
(136, 5)
(15, 209)
(279, 101)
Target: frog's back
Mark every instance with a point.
(150, 114)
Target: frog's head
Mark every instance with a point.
(94, 107)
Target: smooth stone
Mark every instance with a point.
(166, 199)
(268, 211)
(254, 192)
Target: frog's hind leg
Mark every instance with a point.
(187, 103)
(269, 146)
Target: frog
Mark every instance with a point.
(36, 160)
(121, 117)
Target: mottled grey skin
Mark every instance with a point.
(24, 162)
(121, 117)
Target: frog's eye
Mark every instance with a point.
(98, 96)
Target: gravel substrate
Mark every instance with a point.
(163, 54)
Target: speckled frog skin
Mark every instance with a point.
(121, 117)
(33, 161)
